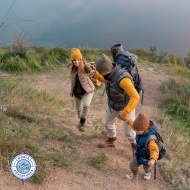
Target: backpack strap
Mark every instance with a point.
(115, 83)
(118, 88)
(142, 96)
(151, 137)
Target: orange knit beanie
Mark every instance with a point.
(141, 123)
(75, 54)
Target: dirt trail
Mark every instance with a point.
(85, 177)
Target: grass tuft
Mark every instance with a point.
(98, 160)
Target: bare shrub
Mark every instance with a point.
(20, 45)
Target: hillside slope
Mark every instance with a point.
(82, 175)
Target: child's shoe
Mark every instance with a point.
(147, 176)
(131, 176)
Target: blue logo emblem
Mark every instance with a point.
(23, 166)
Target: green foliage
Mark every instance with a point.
(59, 54)
(54, 56)
(177, 101)
(4, 49)
(91, 54)
(39, 49)
(175, 109)
(33, 64)
(179, 63)
(188, 60)
(142, 54)
(6, 56)
(12, 63)
(153, 49)
(157, 58)
(47, 59)
(23, 62)
(153, 56)
(161, 56)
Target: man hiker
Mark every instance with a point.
(120, 105)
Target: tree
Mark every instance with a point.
(188, 59)
(161, 56)
(153, 57)
(7, 15)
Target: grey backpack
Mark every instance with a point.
(159, 141)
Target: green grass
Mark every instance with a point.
(174, 114)
(60, 160)
(42, 59)
(37, 62)
(27, 117)
(26, 125)
(98, 161)
(177, 101)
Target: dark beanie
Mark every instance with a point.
(104, 64)
(141, 123)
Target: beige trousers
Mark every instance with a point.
(134, 166)
(110, 119)
(82, 106)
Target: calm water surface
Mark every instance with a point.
(100, 24)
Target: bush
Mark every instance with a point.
(20, 47)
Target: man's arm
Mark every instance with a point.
(129, 88)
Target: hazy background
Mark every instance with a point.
(100, 23)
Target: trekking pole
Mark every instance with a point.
(155, 171)
(103, 91)
(142, 97)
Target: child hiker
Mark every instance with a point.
(144, 128)
(82, 88)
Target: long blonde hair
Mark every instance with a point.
(80, 69)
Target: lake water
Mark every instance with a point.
(99, 24)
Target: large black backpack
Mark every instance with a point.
(127, 61)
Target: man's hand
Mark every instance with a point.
(151, 162)
(122, 117)
(92, 73)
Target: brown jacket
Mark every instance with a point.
(84, 79)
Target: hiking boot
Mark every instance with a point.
(147, 176)
(108, 143)
(133, 148)
(81, 124)
(131, 176)
(80, 127)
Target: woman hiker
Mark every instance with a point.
(82, 88)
